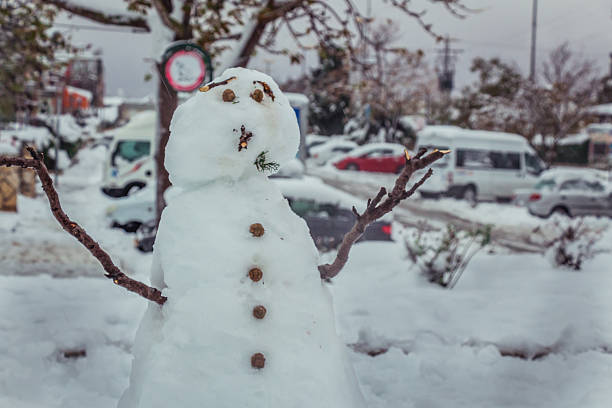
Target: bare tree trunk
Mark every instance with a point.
(167, 101)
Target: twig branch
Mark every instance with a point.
(375, 209)
(112, 271)
(100, 16)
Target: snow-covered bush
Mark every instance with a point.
(442, 256)
(574, 240)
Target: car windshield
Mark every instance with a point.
(380, 153)
(545, 184)
(309, 208)
(129, 151)
(533, 164)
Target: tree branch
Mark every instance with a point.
(99, 16)
(163, 11)
(112, 271)
(267, 15)
(375, 209)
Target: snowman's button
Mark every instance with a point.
(259, 312)
(228, 95)
(257, 229)
(255, 274)
(258, 360)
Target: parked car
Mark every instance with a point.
(145, 236)
(379, 157)
(131, 212)
(327, 212)
(571, 196)
(322, 153)
(129, 165)
(554, 176)
(313, 140)
(325, 209)
(482, 165)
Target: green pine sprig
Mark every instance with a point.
(263, 165)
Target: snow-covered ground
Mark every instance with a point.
(55, 300)
(514, 332)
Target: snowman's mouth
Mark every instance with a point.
(245, 137)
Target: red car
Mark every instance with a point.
(380, 157)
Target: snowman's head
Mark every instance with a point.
(237, 126)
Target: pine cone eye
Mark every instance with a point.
(228, 95)
(257, 95)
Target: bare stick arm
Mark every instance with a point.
(112, 271)
(376, 209)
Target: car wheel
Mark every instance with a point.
(562, 211)
(132, 226)
(469, 195)
(132, 188)
(352, 166)
(399, 169)
(425, 195)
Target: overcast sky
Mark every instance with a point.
(500, 28)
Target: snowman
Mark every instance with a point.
(247, 322)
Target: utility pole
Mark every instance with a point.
(58, 113)
(446, 73)
(534, 26)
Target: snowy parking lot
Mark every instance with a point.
(514, 332)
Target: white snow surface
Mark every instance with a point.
(438, 348)
(54, 299)
(454, 348)
(206, 131)
(206, 332)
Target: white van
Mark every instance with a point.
(482, 165)
(129, 164)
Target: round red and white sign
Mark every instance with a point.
(185, 70)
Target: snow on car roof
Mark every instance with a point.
(311, 137)
(599, 127)
(312, 188)
(374, 146)
(334, 143)
(603, 109)
(560, 174)
(454, 132)
(141, 126)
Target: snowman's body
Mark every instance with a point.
(196, 351)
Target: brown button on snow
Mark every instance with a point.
(258, 360)
(257, 229)
(259, 312)
(255, 274)
(257, 95)
(228, 95)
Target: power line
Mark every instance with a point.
(101, 28)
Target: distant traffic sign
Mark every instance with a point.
(185, 66)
